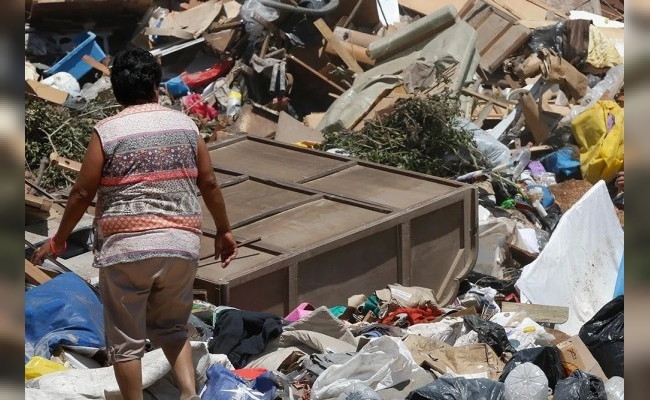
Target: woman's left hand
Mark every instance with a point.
(41, 253)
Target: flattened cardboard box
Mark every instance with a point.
(576, 355)
(45, 92)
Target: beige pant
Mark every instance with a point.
(150, 299)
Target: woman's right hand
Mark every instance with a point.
(225, 246)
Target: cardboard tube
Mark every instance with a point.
(358, 52)
(413, 33)
(354, 37)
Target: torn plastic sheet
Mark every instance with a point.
(578, 271)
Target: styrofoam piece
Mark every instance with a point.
(579, 265)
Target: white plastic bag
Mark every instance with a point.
(382, 363)
(90, 91)
(252, 10)
(448, 330)
(64, 81)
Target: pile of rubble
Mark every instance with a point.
(537, 86)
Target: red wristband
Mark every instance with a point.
(65, 247)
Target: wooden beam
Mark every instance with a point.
(34, 274)
(539, 313)
(65, 163)
(97, 65)
(498, 102)
(43, 205)
(485, 111)
(347, 58)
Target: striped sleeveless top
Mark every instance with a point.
(147, 203)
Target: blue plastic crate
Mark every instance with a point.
(73, 62)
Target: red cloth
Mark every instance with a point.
(193, 103)
(249, 373)
(414, 315)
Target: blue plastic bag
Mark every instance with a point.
(561, 162)
(223, 384)
(62, 311)
(176, 87)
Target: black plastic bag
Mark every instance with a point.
(603, 336)
(546, 358)
(452, 388)
(500, 285)
(490, 333)
(580, 386)
(548, 37)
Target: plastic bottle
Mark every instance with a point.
(614, 388)
(519, 160)
(526, 381)
(234, 102)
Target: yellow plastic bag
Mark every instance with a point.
(39, 366)
(601, 152)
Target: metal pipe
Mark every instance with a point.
(331, 6)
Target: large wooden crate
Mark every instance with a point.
(318, 227)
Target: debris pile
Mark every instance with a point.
(499, 127)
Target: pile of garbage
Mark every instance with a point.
(523, 100)
(394, 343)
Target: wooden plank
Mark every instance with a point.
(426, 7)
(512, 40)
(499, 102)
(549, 8)
(41, 204)
(493, 26)
(97, 65)
(482, 115)
(347, 58)
(34, 274)
(539, 313)
(65, 164)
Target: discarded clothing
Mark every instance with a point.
(241, 334)
(382, 329)
(223, 384)
(405, 317)
(602, 51)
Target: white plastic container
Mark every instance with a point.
(526, 381)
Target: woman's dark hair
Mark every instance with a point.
(135, 75)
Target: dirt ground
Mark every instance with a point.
(569, 192)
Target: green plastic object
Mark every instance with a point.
(510, 203)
